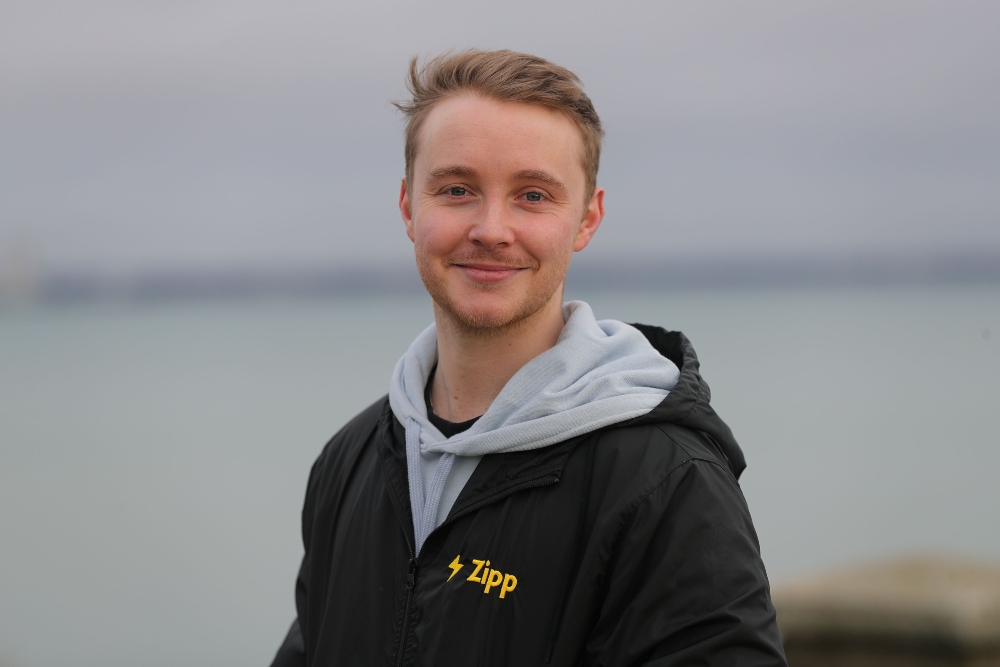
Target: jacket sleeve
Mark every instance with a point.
(292, 652)
(687, 585)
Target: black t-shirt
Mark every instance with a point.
(447, 428)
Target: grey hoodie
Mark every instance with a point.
(598, 373)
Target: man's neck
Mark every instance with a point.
(473, 367)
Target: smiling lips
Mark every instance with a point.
(480, 272)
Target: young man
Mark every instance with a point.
(538, 487)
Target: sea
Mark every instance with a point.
(153, 455)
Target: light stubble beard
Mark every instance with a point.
(491, 325)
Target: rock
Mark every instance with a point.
(916, 611)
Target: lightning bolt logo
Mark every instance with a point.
(455, 567)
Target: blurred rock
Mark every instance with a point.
(919, 611)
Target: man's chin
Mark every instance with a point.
(485, 316)
(481, 320)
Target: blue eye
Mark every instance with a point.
(533, 196)
(457, 191)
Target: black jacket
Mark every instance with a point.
(631, 545)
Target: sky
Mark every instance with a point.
(222, 134)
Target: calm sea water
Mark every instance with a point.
(153, 458)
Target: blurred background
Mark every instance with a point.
(203, 275)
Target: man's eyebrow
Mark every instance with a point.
(524, 175)
(535, 175)
(454, 170)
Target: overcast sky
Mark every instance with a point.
(182, 134)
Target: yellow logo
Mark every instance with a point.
(455, 567)
(482, 574)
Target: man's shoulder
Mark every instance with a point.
(641, 459)
(355, 435)
(364, 421)
(662, 445)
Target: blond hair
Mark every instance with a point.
(506, 76)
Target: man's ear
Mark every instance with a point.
(591, 220)
(404, 209)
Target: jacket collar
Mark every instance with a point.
(688, 404)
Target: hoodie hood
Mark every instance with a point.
(597, 374)
(688, 404)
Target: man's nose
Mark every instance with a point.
(492, 226)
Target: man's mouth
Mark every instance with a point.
(484, 272)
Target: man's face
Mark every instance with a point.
(496, 209)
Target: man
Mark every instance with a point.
(538, 487)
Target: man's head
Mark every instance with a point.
(499, 192)
(505, 76)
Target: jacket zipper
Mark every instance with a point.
(411, 581)
(411, 573)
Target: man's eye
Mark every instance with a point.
(533, 196)
(457, 191)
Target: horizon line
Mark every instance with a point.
(638, 274)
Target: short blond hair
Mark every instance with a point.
(506, 76)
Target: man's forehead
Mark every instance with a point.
(539, 140)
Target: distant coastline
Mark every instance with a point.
(585, 274)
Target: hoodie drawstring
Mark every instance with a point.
(424, 504)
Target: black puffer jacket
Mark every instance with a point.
(631, 545)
